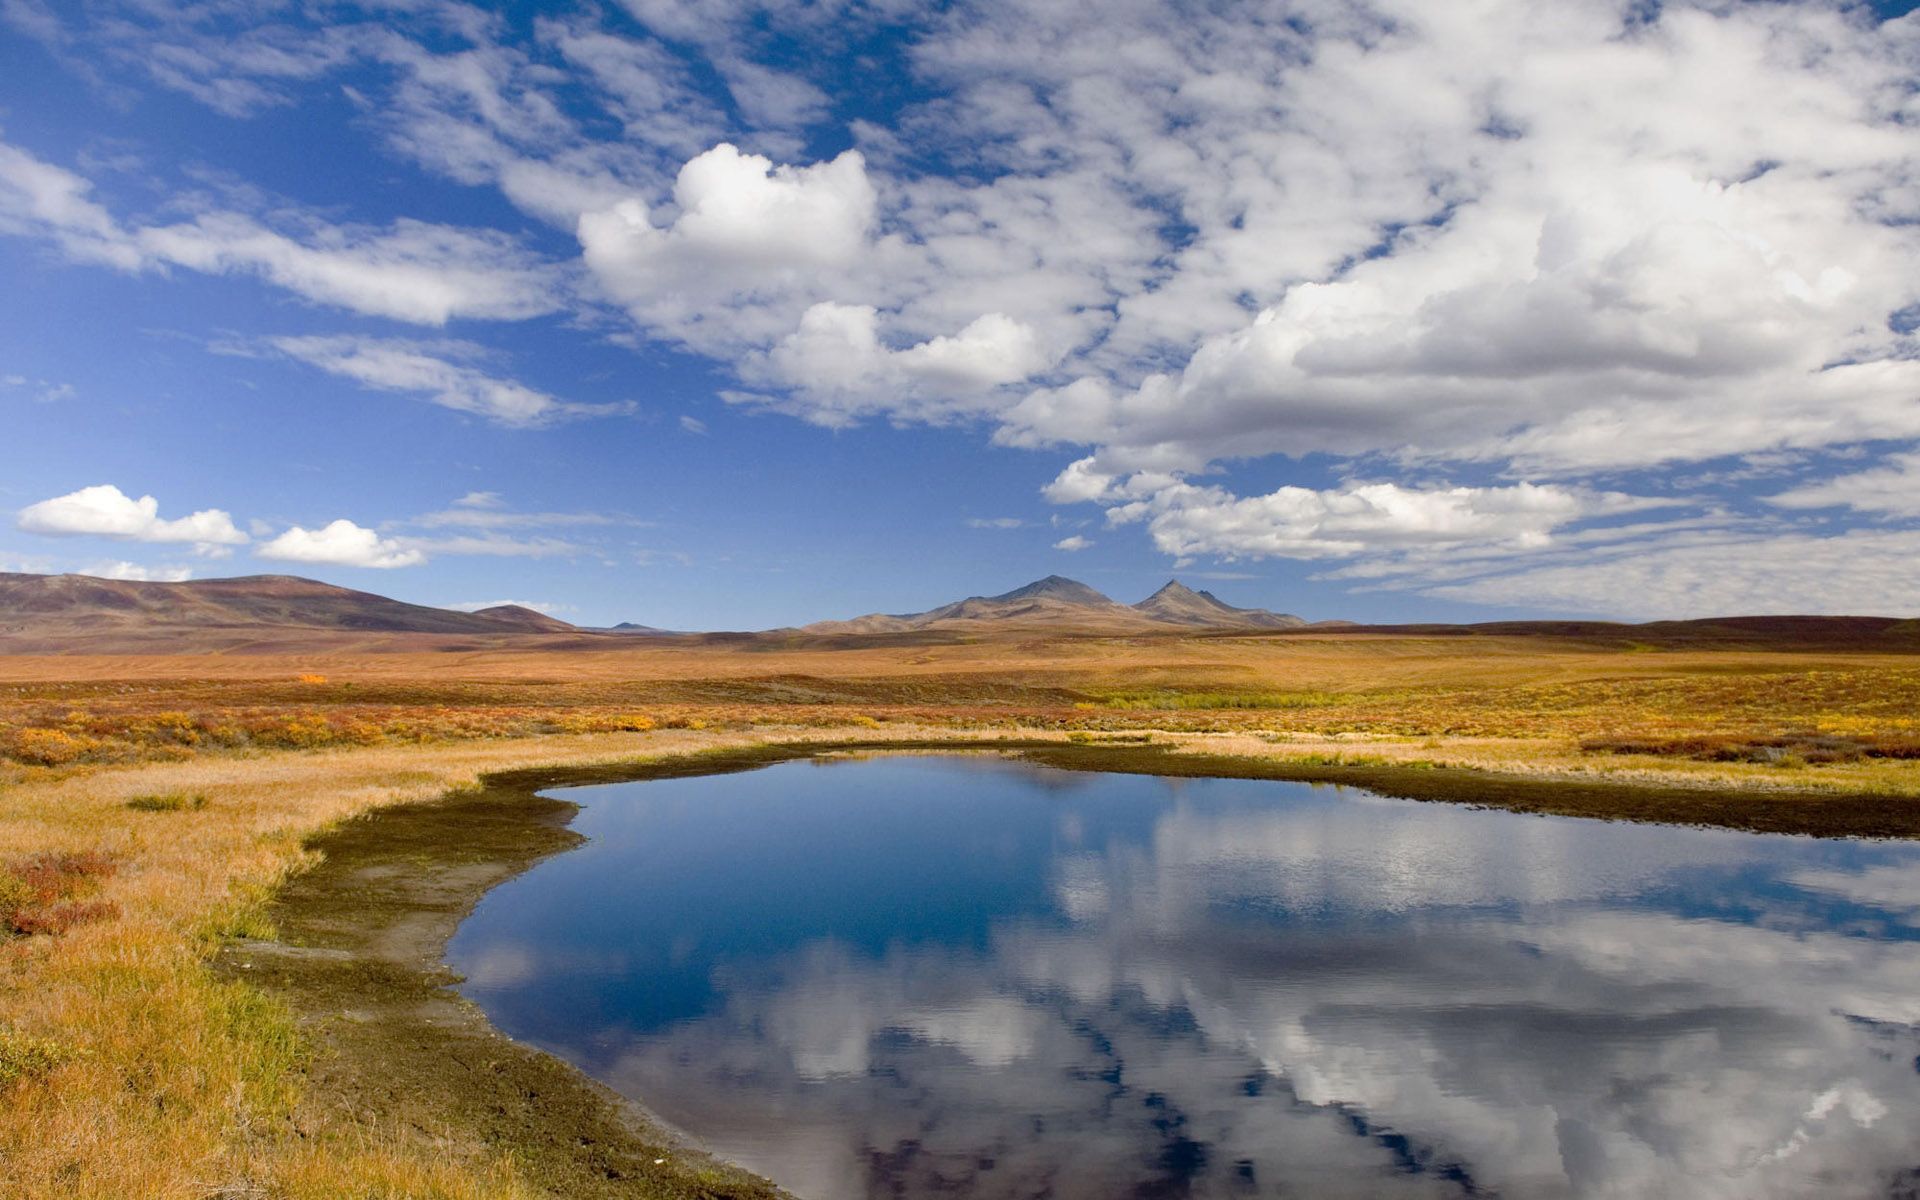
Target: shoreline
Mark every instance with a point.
(359, 952)
(359, 957)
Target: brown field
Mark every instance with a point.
(150, 806)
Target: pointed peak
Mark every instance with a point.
(1055, 587)
(1180, 602)
(1173, 589)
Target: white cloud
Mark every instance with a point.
(43, 391)
(340, 543)
(38, 198)
(1296, 522)
(491, 545)
(1861, 573)
(33, 18)
(994, 522)
(770, 98)
(440, 371)
(740, 225)
(493, 515)
(1893, 489)
(647, 86)
(485, 115)
(1072, 544)
(834, 368)
(539, 606)
(1079, 481)
(411, 271)
(692, 425)
(1401, 230)
(137, 572)
(103, 510)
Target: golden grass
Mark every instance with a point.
(129, 1070)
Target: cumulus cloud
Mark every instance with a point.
(739, 225)
(1073, 543)
(443, 372)
(340, 543)
(103, 510)
(1297, 522)
(834, 368)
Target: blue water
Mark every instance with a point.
(965, 977)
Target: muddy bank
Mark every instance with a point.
(1818, 814)
(362, 935)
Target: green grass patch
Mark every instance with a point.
(168, 802)
(23, 1058)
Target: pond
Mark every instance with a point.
(966, 976)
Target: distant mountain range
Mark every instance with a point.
(41, 614)
(284, 614)
(1057, 601)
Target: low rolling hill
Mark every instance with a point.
(54, 613)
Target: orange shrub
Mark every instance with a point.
(48, 747)
(300, 731)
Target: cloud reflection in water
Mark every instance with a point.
(988, 983)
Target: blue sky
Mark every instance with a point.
(727, 314)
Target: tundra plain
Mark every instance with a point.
(153, 808)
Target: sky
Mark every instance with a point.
(744, 313)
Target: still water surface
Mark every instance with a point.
(968, 977)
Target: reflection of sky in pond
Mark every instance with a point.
(945, 976)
